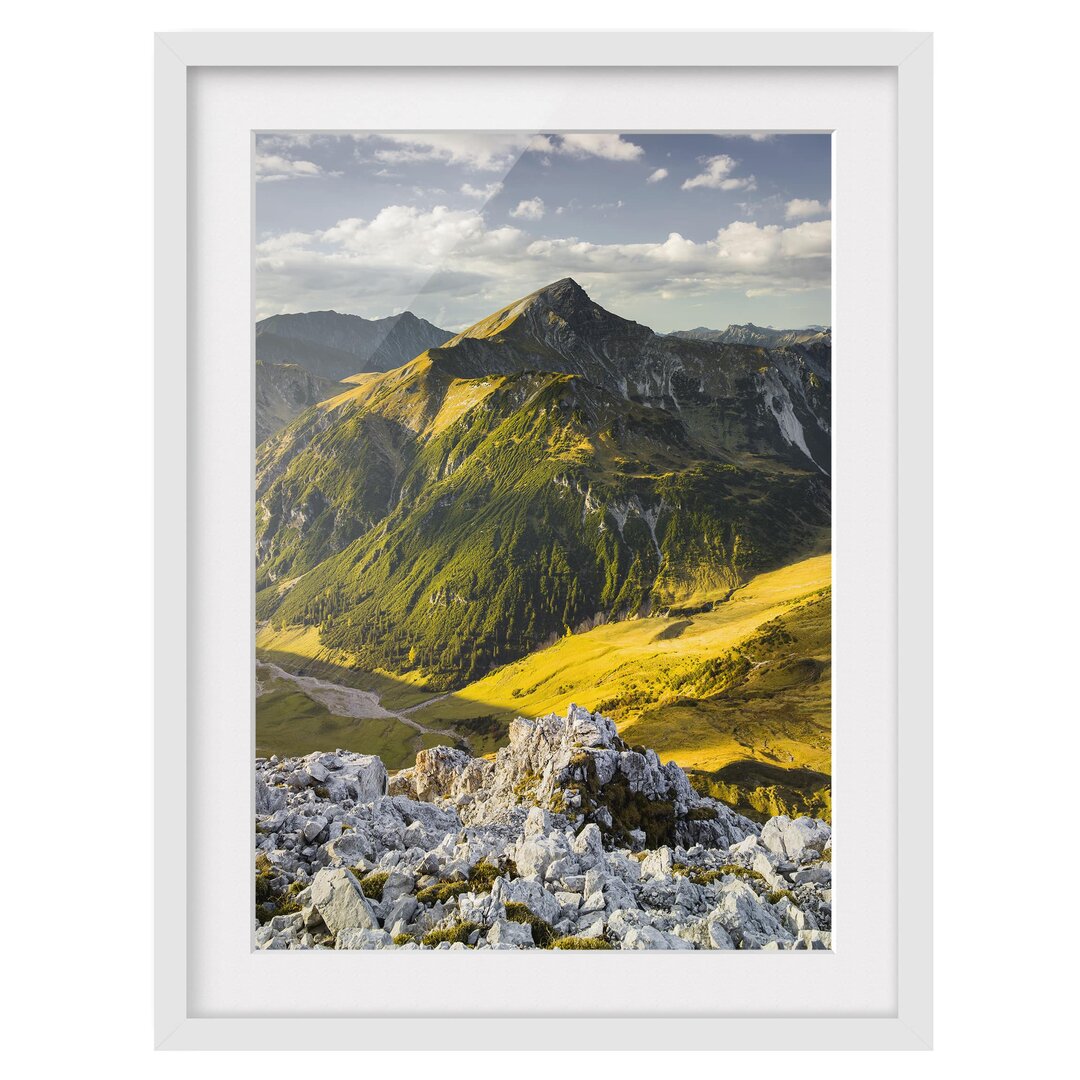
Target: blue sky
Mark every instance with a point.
(674, 231)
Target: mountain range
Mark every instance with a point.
(552, 468)
(302, 358)
(765, 336)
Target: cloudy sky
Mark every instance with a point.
(675, 231)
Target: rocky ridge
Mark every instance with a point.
(568, 839)
(764, 336)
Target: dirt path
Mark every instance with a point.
(356, 704)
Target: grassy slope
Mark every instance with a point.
(497, 550)
(706, 690)
(611, 660)
(763, 740)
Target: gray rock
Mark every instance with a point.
(815, 875)
(560, 869)
(589, 843)
(313, 827)
(618, 895)
(398, 884)
(530, 893)
(286, 922)
(717, 936)
(748, 919)
(351, 848)
(339, 900)
(591, 924)
(794, 839)
(657, 863)
(523, 807)
(766, 867)
(504, 932)
(429, 864)
(645, 937)
(356, 937)
(535, 854)
(593, 902)
(268, 800)
(538, 823)
(813, 939)
(568, 901)
(436, 771)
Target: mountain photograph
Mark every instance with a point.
(542, 599)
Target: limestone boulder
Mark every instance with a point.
(340, 902)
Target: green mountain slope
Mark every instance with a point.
(551, 469)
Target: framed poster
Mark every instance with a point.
(516, 459)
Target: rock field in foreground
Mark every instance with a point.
(569, 839)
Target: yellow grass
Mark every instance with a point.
(614, 659)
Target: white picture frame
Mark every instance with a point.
(185, 600)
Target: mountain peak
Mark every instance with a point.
(566, 286)
(564, 297)
(568, 300)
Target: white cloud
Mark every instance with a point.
(529, 209)
(805, 208)
(284, 141)
(656, 176)
(407, 234)
(454, 259)
(611, 147)
(489, 191)
(484, 152)
(717, 174)
(472, 150)
(270, 167)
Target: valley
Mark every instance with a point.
(556, 505)
(298, 712)
(746, 681)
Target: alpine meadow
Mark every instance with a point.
(542, 577)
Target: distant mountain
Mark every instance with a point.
(550, 468)
(334, 346)
(765, 336)
(283, 392)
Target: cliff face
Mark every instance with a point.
(569, 838)
(283, 392)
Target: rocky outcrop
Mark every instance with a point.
(568, 839)
(576, 766)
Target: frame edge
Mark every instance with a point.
(170, 539)
(911, 54)
(915, 538)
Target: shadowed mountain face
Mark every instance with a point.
(552, 467)
(283, 392)
(300, 359)
(334, 346)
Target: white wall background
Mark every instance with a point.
(77, 383)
